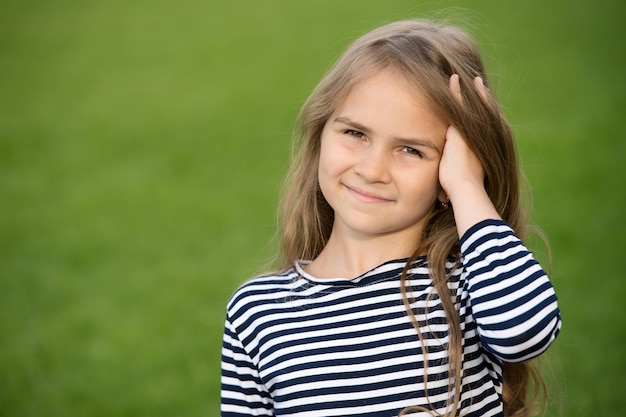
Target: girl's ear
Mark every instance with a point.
(442, 198)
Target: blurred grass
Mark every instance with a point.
(142, 145)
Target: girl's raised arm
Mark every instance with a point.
(462, 176)
(512, 299)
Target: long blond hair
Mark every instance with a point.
(426, 54)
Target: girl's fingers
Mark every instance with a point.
(455, 88)
(482, 90)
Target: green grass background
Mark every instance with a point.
(142, 145)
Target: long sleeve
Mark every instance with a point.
(511, 298)
(242, 392)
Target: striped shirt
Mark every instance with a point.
(295, 345)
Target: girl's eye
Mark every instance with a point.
(412, 151)
(355, 133)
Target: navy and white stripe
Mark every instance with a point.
(299, 346)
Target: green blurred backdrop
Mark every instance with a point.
(142, 145)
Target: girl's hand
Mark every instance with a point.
(461, 174)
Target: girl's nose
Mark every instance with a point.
(373, 165)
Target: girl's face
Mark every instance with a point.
(379, 159)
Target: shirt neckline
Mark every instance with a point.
(386, 270)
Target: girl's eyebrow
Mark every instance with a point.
(415, 142)
(411, 142)
(352, 123)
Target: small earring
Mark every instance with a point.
(445, 204)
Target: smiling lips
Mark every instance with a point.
(366, 196)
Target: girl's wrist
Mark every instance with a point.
(471, 205)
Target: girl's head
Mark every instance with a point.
(425, 55)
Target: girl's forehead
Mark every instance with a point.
(386, 75)
(379, 85)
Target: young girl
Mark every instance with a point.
(405, 289)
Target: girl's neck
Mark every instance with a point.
(349, 256)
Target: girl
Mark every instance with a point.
(405, 289)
